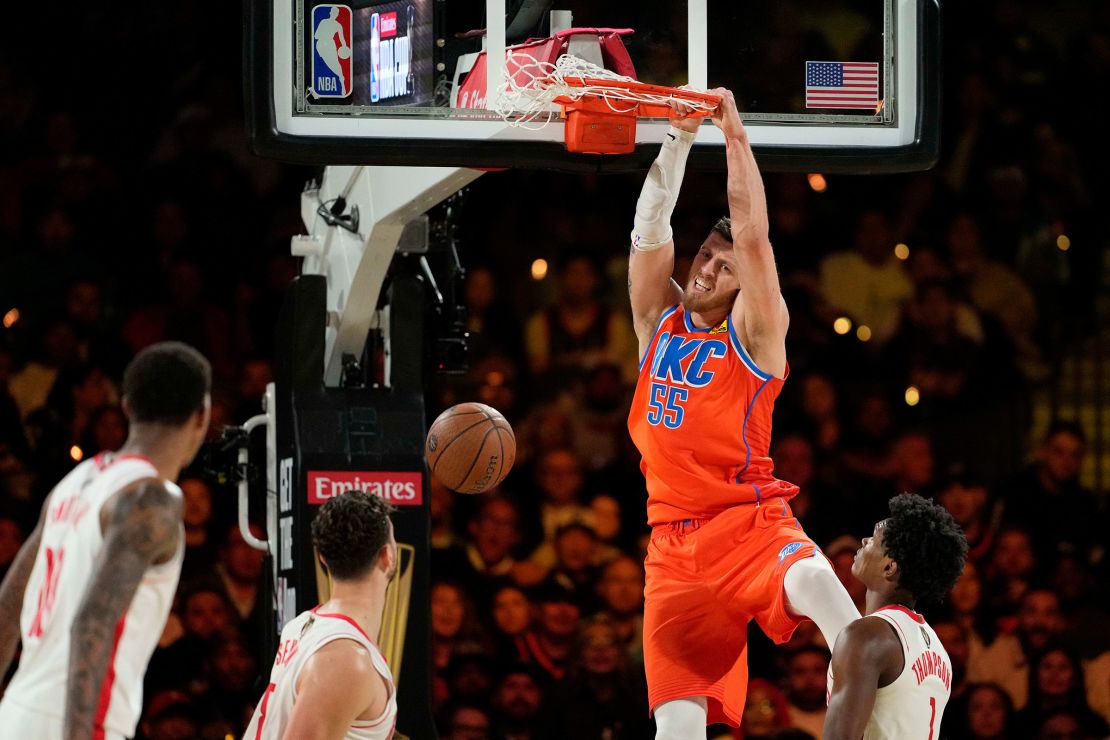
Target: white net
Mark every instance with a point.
(532, 86)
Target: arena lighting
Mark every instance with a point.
(76, 453)
(863, 333)
(817, 182)
(901, 251)
(539, 269)
(10, 318)
(912, 395)
(1062, 242)
(843, 325)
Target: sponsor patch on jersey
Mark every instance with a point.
(720, 329)
(925, 637)
(788, 550)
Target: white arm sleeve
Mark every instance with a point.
(652, 225)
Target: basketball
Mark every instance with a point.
(470, 448)
(344, 52)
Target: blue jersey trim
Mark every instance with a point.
(743, 353)
(690, 328)
(664, 317)
(744, 431)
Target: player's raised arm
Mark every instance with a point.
(12, 590)
(761, 310)
(141, 526)
(866, 652)
(337, 685)
(651, 260)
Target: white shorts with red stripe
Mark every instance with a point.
(19, 723)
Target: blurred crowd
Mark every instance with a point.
(928, 312)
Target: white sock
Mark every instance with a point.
(813, 590)
(681, 719)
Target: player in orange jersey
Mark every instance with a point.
(725, 547)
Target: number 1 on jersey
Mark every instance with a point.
(47, 591)
(932, 714)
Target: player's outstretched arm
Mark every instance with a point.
(866, 652)
(141, 527)
(337, 684)
(764, 314)
(12, 590)
(651, 260)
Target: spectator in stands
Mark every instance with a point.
(455, 628)
(203, 615)
(562, 339)
(968, 501)
(868, 283)
(806, 688)
(990, 715)
(486, 561)
(57, 427)
(1056, 684)
(240, 569)
(560, 479)
(842, 553)
(1048, 497)
(170, 715)
(607, 694)
(1006, 660)
(575, 547)
(954, 639)
(106, 431)
(766, 711)
(511, 613)
(196, 516)
(1012, 566)
(516, 701)
(465, 722)
(621, 589)
(550, 646)
(30, 385)
(994, 289)
(820, 508)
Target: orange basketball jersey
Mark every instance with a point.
(701, 418)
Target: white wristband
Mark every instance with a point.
(652, 225)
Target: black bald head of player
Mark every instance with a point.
(167, 399)
(354, 537)
(915, 554)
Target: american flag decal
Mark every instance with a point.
(842, 85)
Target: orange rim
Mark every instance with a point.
(640, 108)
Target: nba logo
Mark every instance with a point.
(331, 52)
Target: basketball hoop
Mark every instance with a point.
(600, 107)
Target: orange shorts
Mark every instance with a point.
(706, 579)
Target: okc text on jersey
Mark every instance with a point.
(677, 367)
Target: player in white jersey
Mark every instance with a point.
(329, 680)
(89, 592)
(890, 676)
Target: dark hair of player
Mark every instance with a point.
(928, 545)
(723, 228)
(166, 383)
(349, 531)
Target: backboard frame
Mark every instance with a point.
(273, 134)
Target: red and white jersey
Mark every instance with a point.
(300, 639)
(910, 708)
(71, 542)
(701, 419)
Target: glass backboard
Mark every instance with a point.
(830, 85)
